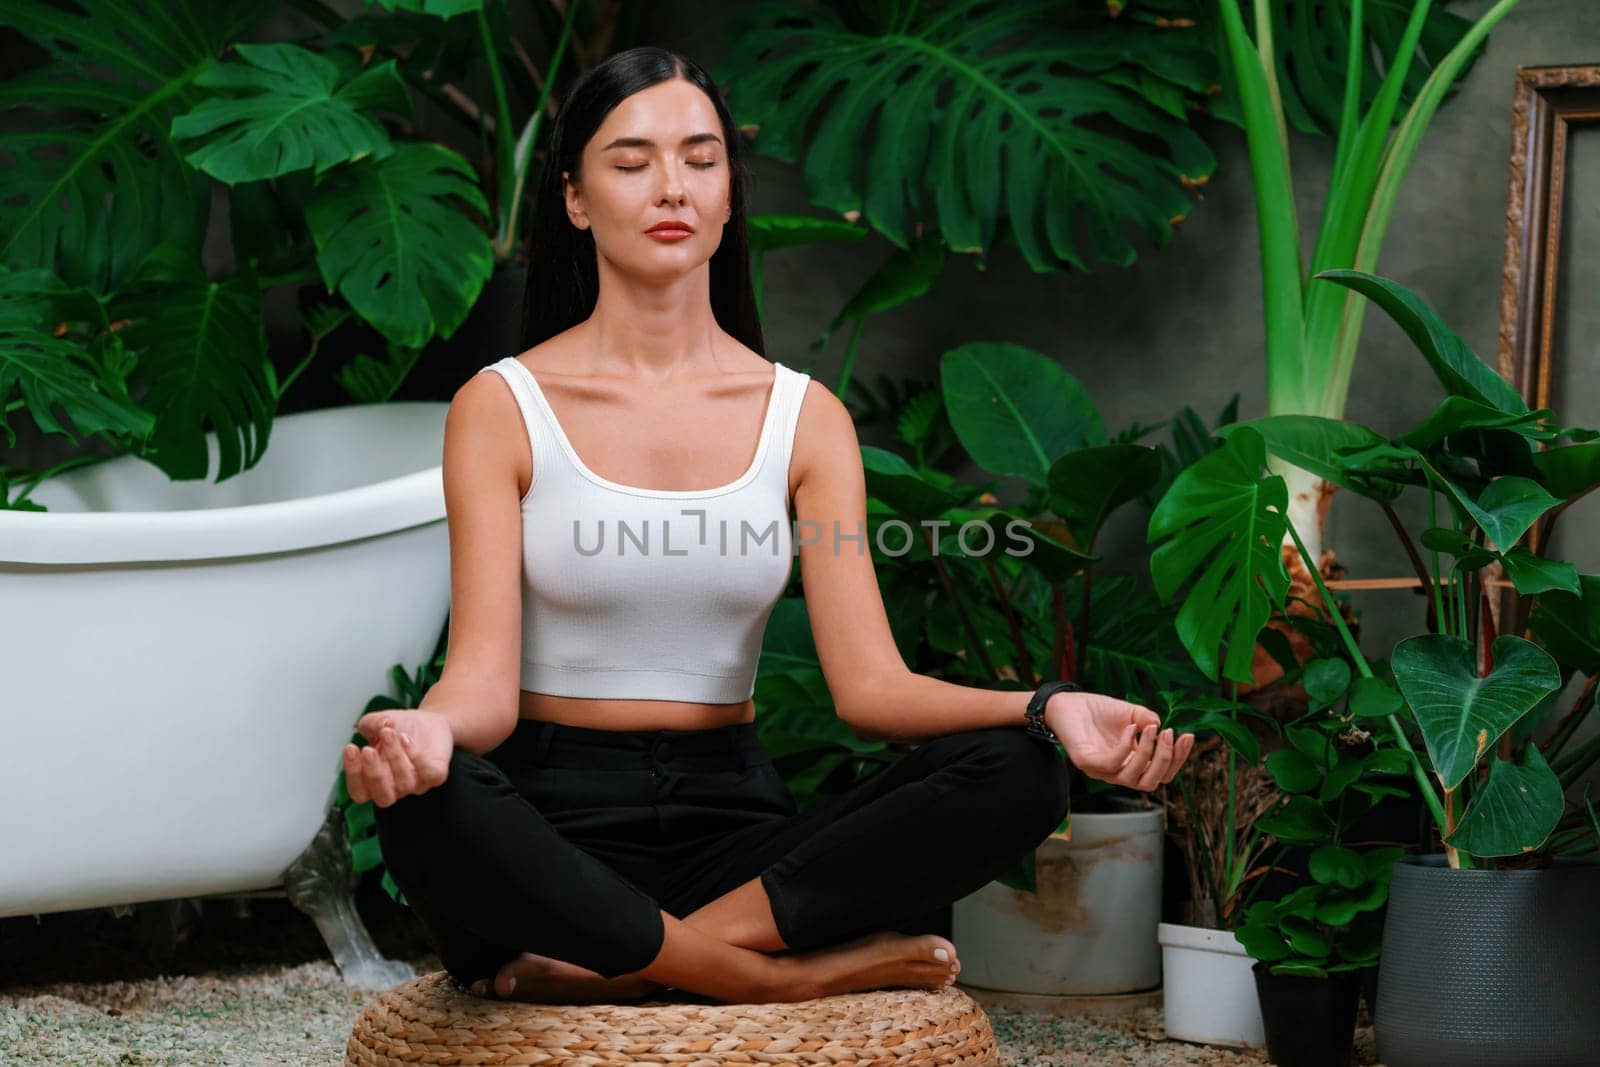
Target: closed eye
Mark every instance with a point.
(641, 166)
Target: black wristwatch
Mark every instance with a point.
(1035, 711)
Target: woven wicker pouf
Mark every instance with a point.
(433, 1020)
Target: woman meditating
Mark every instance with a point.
(581, 809)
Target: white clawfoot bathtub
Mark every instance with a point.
(183, 661)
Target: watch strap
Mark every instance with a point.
(1034, 714)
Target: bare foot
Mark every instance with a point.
(547, 980)
(877, 961)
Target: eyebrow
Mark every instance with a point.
(645, 142)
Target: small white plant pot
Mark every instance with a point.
(1209, 990)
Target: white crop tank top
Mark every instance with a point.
(651, 594)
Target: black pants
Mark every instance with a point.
(569, 842)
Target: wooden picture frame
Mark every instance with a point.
(1549, 104)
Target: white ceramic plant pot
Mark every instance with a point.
(1090, 928)
(184, 661)
(1209, 991)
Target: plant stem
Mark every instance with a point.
(1082, 658)
(504, 145)
(1434, 587)
(1406, 543)
(1401, 741)
(1580, 709)
(1024, 662)
(973, 640)
(849, 357)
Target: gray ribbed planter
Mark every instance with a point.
(1490, 968)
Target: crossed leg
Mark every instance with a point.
(993, 794)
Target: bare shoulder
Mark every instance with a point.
(825, 442)
(484, 428)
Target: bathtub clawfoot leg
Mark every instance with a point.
(321, 883)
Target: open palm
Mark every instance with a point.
(1115, 740)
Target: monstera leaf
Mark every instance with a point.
(962, 131)
(391, 243)
(1223, 525)
(93, 186)
(52, 371)
(1014, 410)
(287, 114)
(203, 356)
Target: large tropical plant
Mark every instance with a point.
(1475, 709)
(1312, 330)
(142, 109)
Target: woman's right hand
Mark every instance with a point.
(408, 752)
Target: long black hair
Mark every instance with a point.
(563, 276)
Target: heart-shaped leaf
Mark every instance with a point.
(1224, 526)
(1515, 811)
(1460, 714)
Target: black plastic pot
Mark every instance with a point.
(1484, 968)
(1310, 1022)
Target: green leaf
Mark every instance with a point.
(392, 244)
(1292, 771)
(973, 135)
(1224, 526)
(1306, 939)
(902, 277)
(53, 371)
(1300, 821)
(1336, 865)
(1312, 443)
(1049, 555)
(286, 115)
(1263, 942)
(444, 9)
(1456, 414)
(1339, 778)
(1515, 811)
(1086, 486)
(1016, 411)
(773, 230)
(1374, 698)
(1569, 626)
(1460, 371)
(898, 484)
(203, 361)
(1326, 681)
(1535, 574)
(1388, 761)
(1569, 471)
(93, 182)
(1460, 714)
(1506, 508)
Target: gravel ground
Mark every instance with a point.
(257, 989)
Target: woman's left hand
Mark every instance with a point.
(1116, 741)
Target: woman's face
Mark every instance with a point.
(658, 156)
